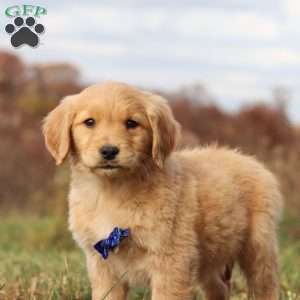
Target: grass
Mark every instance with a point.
(39, 260)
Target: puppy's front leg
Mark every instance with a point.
(172, 281)
(104, 284)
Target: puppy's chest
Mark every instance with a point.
(92, 220)
(91, 223)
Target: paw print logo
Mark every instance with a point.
(24, 33)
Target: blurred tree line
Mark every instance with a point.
(27, 93)
(29, 180)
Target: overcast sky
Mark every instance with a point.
(239, 49)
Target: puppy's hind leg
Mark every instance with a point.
(259, 260)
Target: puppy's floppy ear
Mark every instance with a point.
(56, 130)
(165, 129)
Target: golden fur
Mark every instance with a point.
(192, 213)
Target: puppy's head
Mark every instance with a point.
(111, 128)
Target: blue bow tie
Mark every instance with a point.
(113, 240)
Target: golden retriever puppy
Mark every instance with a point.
(190, 214)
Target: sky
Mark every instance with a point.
(240, 50)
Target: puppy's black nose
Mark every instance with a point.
(109, 152)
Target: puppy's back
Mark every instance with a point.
(232, 175)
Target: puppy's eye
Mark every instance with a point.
(130, 124)
(89, 122)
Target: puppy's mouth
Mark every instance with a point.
(108, 167)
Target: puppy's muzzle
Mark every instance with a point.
(109, 152)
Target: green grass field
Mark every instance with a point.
(39, 260)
